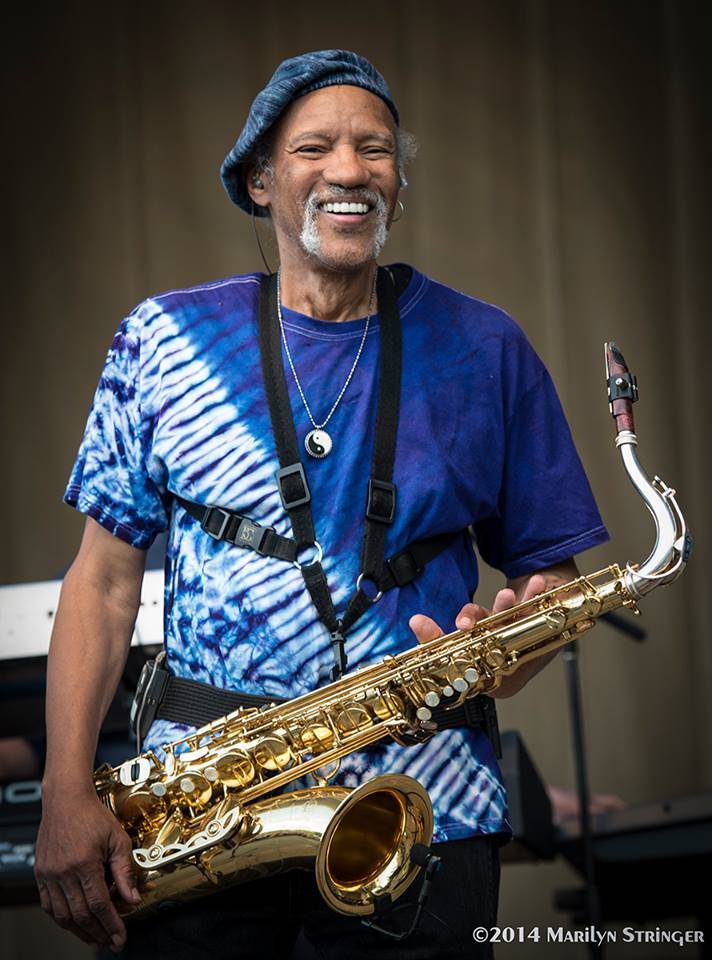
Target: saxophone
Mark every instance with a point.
(206, 813)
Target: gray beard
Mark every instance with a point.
(309, 236)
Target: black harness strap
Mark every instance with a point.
(381, 491)
(397, 571)
(232, 527)
(291, 478)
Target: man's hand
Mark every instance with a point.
(516, 591)
(78, 844)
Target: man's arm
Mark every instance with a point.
(79, 838)
(517, 590)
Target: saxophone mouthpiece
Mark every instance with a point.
(622, 388)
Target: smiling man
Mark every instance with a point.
(321, 445)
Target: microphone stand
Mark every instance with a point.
(570, 656)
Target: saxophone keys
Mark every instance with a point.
(195, 790)
(495, 658)
(432, 699)
(141, 809)
(423, 713)
(315, 737)
(471, 675)
(448, 690)
(353, 718)
(272, 753)
(460, 684)
(235, 769)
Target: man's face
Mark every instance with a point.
(334, 146)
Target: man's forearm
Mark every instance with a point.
(88, 651)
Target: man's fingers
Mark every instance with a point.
(123, 871)
(45, 899)
(82, 916)
(424, 628)
(504, 600)
(59, 910)
(535, 586)
(101, 907)
(470, 614)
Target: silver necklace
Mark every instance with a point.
(317, 442)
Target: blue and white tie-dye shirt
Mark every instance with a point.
(482, 444)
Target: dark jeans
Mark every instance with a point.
(285, 917)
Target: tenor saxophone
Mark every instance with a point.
(206, 813)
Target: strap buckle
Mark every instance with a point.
(379, 507)
(224, 520)
(294, 469)
(251, 534)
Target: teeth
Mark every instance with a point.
(345, 207)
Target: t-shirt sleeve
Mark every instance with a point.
(546, 511)
(110, 480)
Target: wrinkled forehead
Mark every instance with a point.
(333, 110)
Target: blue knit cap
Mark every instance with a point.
(292, 79)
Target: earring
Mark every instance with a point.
(258, 183)
(396, 219)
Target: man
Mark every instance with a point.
(181, 417)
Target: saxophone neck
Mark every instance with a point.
(673, 542)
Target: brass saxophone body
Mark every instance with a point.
(206, 813)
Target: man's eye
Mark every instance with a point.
(377, 152)
(311, 149)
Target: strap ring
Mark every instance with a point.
(358, 587)
(319, 554)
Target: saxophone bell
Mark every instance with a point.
(358, 842)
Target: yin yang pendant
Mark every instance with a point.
(318, 443)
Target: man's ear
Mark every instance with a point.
(256, 184)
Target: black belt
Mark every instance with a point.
(197, 704)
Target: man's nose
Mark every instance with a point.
(345, 168)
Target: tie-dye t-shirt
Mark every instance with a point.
(482, 448)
